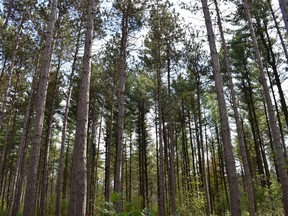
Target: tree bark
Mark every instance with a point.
(50, 119)
(121, 105)
(78, 191)
(247, 176)
(278, 30)
(225, 130)
(171, 140)
(64, 128)
(280, 161)
(21, 159)
(30, 194)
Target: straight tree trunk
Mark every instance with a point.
(160, 154)
(44, 182)
(21, 159)
(30, 193)
(171, 142)
(240, 134)
(192, 147)
(221, 162)
(278, 30)
(277, 114)
(121, 106)
(225, 130)
(64, 128)
(50, 119)
(248, 92)
(272, 61)
(280, 161)
(108, 156)
(78, 191)
(66, 168)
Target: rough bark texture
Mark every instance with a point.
(30, 193)
(278, 147)
(247, 173)
(121, 106)
(78, 192)
(59, 184)
(225, 130)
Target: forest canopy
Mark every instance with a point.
(137, 107)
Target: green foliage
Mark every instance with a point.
(107, 208)
(269, 200)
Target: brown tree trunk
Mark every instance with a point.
(121, 105)
(225, 130)
(252, 113)
(30, 193)
(160, 154)
(44, 181)
(64, 128)
(277, 114)
(78, 191)
(247, 176)
(271, 59)
(21, 160)
(108, 156)
(171, 142)
(50, 119)
(278, 30)
(280, 161)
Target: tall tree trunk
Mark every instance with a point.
(225, 130)
(192, 147)
(248, 92)
(97, 159)
(30, 194)
(21, 159)
(108, 155)
(240, 134)
(78, 192)
(277, 114)
(280, 161)
(44, 181)
(171, 140)
(66, 168)
(271, 59)
(205, 178)
(278, 30)
(51, 112)
(222, 174)
(121, 105)
(91, 162)
(64, 128)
